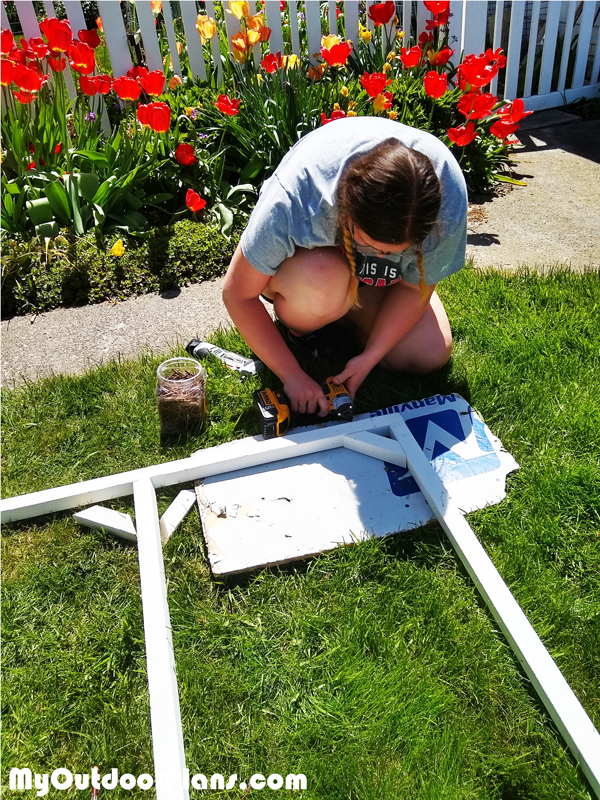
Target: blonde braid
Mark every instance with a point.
(349, 251)
(420, 267)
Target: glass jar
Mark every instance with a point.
(181, 396)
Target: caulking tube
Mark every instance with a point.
(245, 366)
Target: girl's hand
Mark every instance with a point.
(355, 372)
(305, 395)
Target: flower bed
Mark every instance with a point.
(180, 149)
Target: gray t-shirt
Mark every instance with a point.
(296, 205)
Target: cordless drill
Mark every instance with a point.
(273, 408)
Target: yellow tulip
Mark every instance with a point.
(352, 104)
(189, 111)
(206, 27)
(174, 82)
(179, 47)
(391, 56)
(379, 103)
(291, 62)
(392, 114)
(255, 23)
(118, 249)
(387, 68)
(351, 114)
(259, 78)
(253, 37)
(156, 6)
(399, 34)
(239, 8)
(366, 36)
(329, 41)
(344, 91)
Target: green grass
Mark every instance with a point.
(376, 670)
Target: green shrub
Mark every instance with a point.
(66, 271)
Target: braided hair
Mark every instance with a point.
(394, 195)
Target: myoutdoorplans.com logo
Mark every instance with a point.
(23, 780)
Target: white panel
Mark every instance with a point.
(475, 25)
(28, 20)
(214, 43)
(557, 99)
(351, 22)
(422, 16)
(553, 690)
(232, 23)
(331, 16)
(274, 21)
(293, 12)
(549, 51)
(564, 62)
(107, 519)
(514, 49)
(170, 29)
(75, 16)
(149, 38)
(406, 18)
(586, 22)
(313, 27)
(533, 30)
(193, 42)
(497, 40)
(455, 28)
(116, 38)
(165, 715)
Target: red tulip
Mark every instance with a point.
(497, 56)
(410, 58)
(127, 88)
(515, 111)
(441, 57)
(89, 86)
(104, 83)
(503, 128)
(58, 148)
(159, 117)
(25, 97)
(153, 83)
(28, 52)
(382, 102)
(462, 135)
(424, 38)
(185, 155)
(337, 114)
(7, 42)
(375, 83)
(478, 71)
(227, 105)
(57, 64)
(39, 47)
(381, 13)
(272, 62)
(18, 56)
(58, 32)
(81, 58)
(7, 71)
(28, 79)
(436, 7)
(90, 38)
(337, 55)
(193, 201)
(143, 116)
(435, 84)
(137, 73)
(477, 106)
(31, 165)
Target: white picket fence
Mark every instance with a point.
(529, 32)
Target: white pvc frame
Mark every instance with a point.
(391, 441)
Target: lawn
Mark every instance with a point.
(375, 670)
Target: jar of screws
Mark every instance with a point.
(181, 396)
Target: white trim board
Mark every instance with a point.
(362, 435)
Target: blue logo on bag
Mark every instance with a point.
(455, 453)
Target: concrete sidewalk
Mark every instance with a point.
(551, 221)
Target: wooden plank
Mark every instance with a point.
(455, 29)
(475, 26)
(165, 716)
(513, 55)
(214, 44)
(176, 513)
(149, 38)
(171, 38)
(293, 12)
(313, 28)
(497, 40)
(28, 19)
(552, 688)
(106, 519)
(193, 42)
(116, 38)
(212, 461)
(274, 21)
(568, 35)
(531, 50)
(351, 23)
(586, 22)
(549, 50)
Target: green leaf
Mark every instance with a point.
(71, 185)
(47, 229)
(506, 179)
(133, 201)
(96, 158)
(242, 187)
(8, 204)
(158, 198)
(104, 190)
(251, 170)
(57, 196)
(226, 217)
(12, 188)
(88, 185)
(40, 211)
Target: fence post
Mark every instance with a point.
(116, 37)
